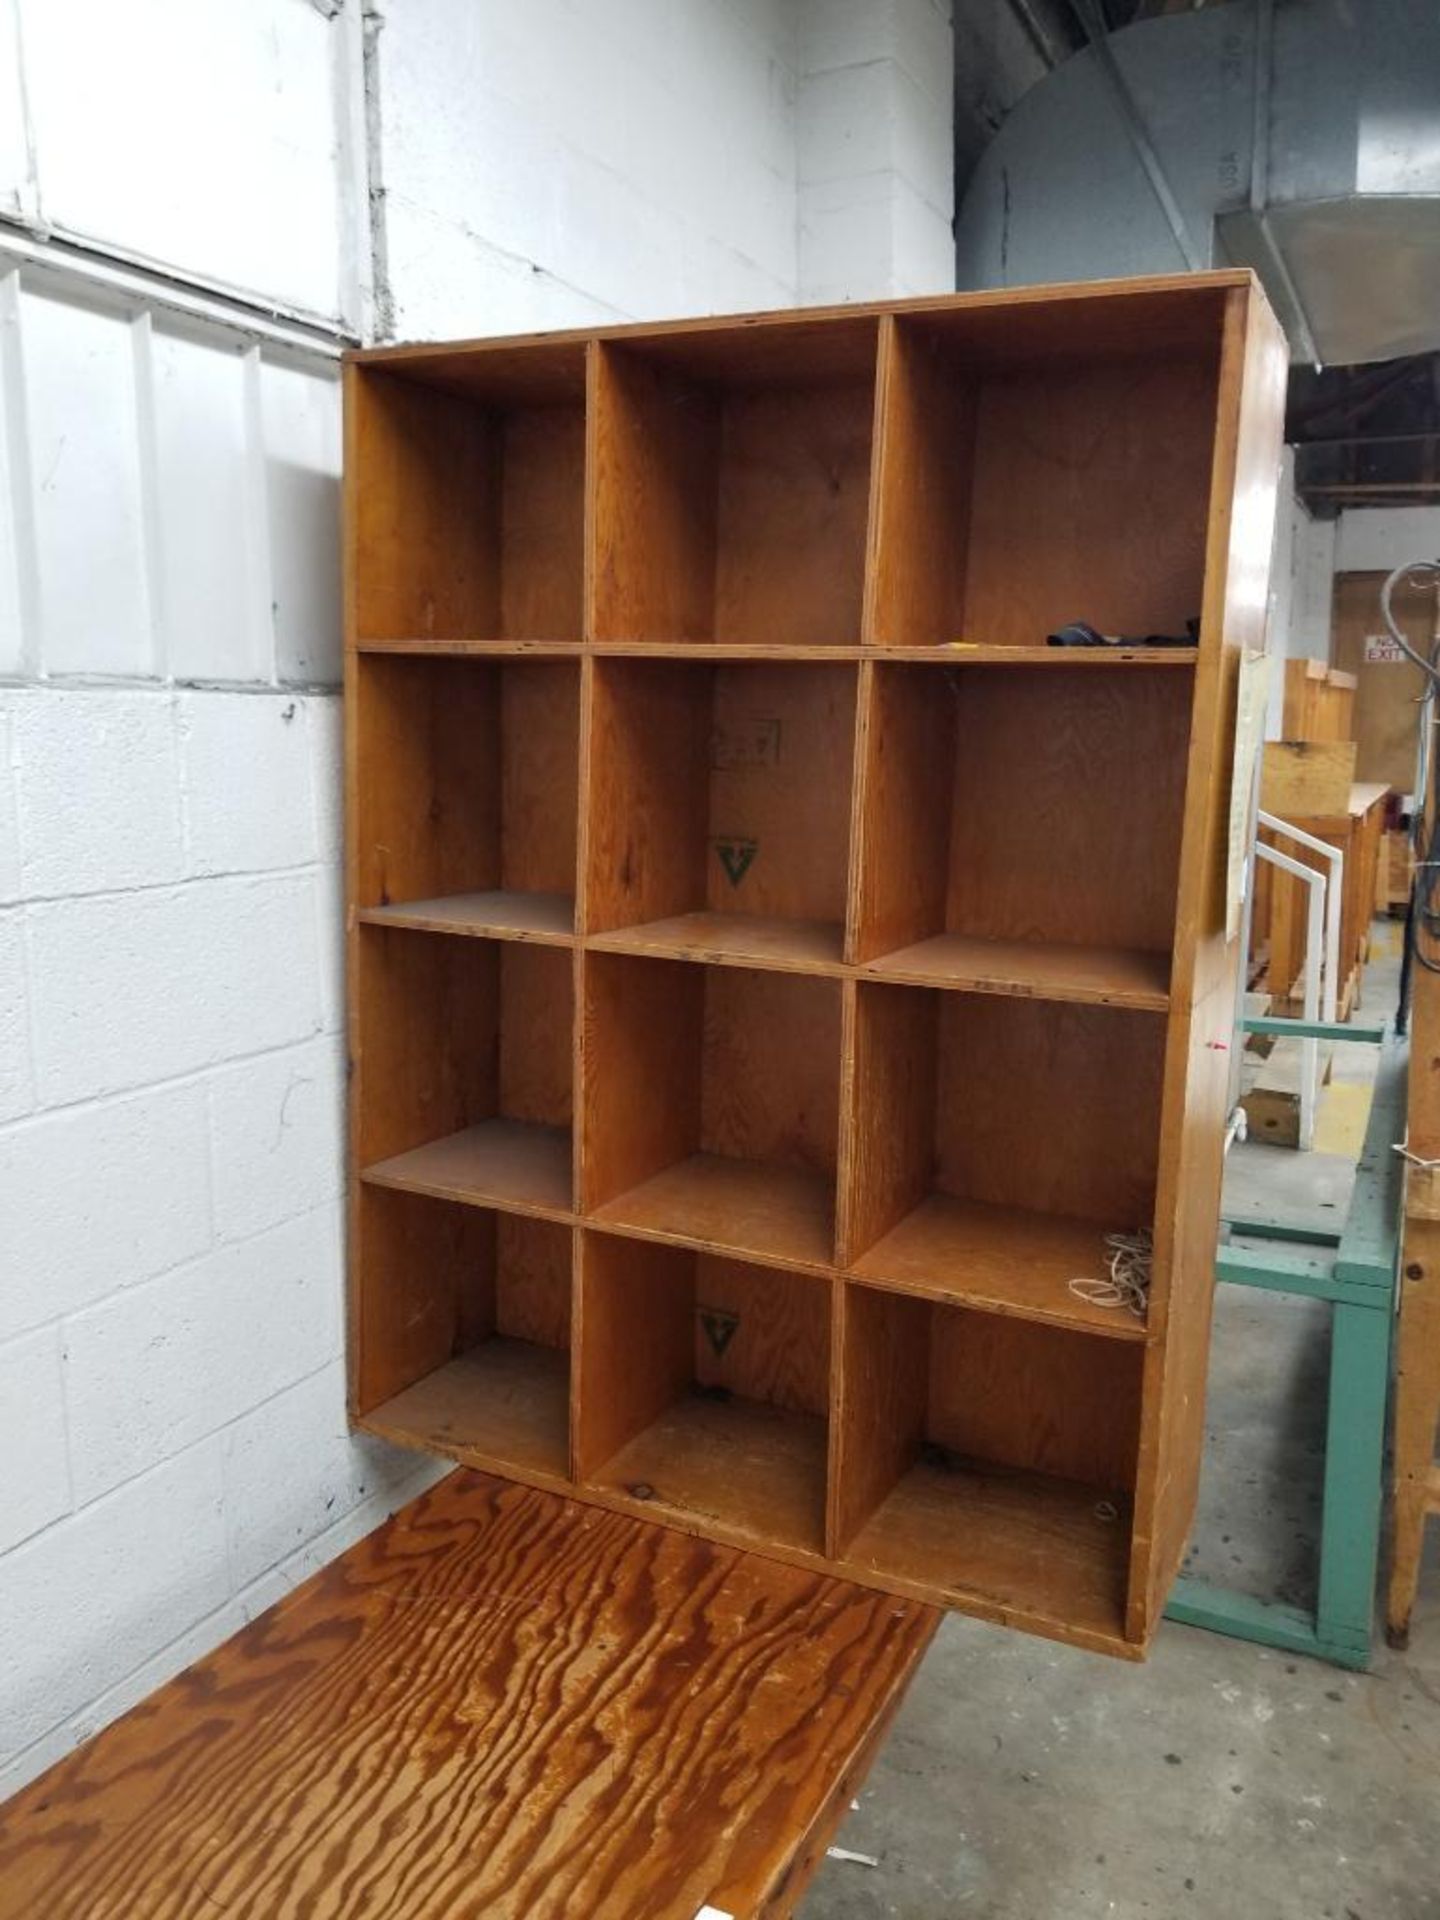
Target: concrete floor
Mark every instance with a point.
(1218, 1781)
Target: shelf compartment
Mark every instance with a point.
(1015, 470)
(548, 918)
(510, 1163)
(732, 485)
(734, 940)
(987, 1461)
(703, 1386)
(465, 1068)
(784, 1214)
(471, 521)
(997, 811)
(466, 819)
(463, 1333)
(1098, 658)
(716, 827)
(1103, 976)
(710, 1106)
(996, 1143)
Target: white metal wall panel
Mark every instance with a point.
(204, 134)
(14, 480)
(209, 562)
(85, 469)
(300, 427)
(169, 496)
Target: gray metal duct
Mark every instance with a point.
(1302, 139)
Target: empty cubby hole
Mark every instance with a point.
(462, 1331)
(703, 1387)
(711, 1105)
(466, 818)
(988, 1457)
(464, 1051)
(718, 807)
(1006, 843)
(1045, 466)
(471, 523)
(998, 1142)
(733, 485)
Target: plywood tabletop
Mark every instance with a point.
(504, 1704)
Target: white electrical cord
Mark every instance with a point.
(1129, 1257)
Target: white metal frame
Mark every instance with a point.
(1334, 906)
(1315, 883)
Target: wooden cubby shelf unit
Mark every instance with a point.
(773, 970)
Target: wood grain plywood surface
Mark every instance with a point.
(501, 1706)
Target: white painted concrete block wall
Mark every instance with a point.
(173, 1451)
(173, 1448)
(556, 165)
(876, 175)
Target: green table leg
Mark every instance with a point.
(1354, 1467)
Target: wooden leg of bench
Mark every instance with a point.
(1417, 1411)
(1406, 1541)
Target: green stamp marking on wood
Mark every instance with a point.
(736, 856)
(719, 1324)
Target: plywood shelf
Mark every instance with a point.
(831, 963)
(1099, 976)
(503, 1406)
(977, 654)
(710, 652)
(782, 1214)
(733, 939)
(755, 1473)
(461, 649)
(1002, 1259)
(499, 1163)
(1023, 1548)
(547, 918)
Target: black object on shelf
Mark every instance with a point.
(1079, 633)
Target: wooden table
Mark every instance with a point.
(502, 1703)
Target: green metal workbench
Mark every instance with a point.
(1356, 1270)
